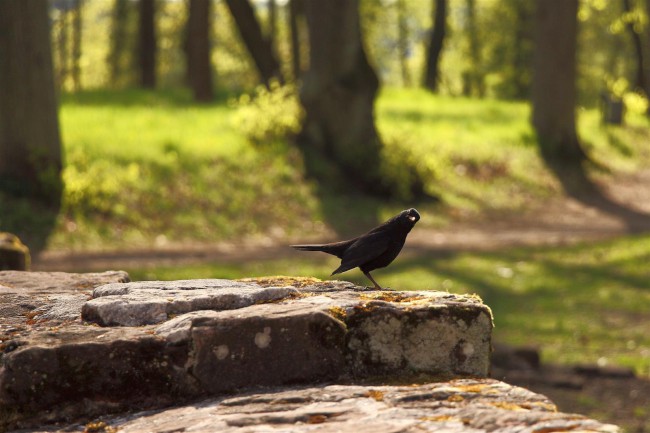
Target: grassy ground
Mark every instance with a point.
(584, 303)
(147, 168)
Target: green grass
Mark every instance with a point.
(584, 303)
(149, 166)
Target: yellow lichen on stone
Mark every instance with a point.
(282, 280)
(338, 313)
(472, 388)
(375, 395)
(508, 406)
(390, 297)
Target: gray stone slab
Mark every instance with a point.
(460, 406)
(28, 299)
(149, 302)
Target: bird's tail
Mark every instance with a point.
(336, 249)
(314, 247)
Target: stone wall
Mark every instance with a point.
(276, 353)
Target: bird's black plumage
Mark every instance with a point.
(373, 250)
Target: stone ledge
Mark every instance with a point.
(252, 335)
(466, 405)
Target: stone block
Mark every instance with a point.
(216, 336)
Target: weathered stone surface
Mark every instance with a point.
(28, 299)
(149, 302)
(314, 332)
(466, 405)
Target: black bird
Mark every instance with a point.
(373, 250)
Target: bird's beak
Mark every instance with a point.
(413, 215)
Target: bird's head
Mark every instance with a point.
(412, 215)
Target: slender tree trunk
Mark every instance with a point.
(117, 48)
(403, 42)
(62, 51)
(338, 95)
(639, 77)
(475, 84)
(258, 46)
(554, 82)
(273, 24)
(30, 144)
(647, 63)
(296, 12)
(522, 58)
(147, 43)
(434, 49)
(76, 44)
(198, 49)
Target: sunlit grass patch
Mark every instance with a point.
(144, 165)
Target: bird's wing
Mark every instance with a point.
(365, 249)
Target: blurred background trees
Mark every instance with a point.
(471, 47)
(312, 71)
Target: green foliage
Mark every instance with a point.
(269, 116)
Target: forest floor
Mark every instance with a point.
(610, 395)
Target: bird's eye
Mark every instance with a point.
(411, 217)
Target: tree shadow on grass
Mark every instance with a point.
(579, 186)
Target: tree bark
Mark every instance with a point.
(647, 64)
(199, 68)
(116, 55)
(296, 12)
(273, 24)
(147, 43)
(30, 144)
(434, 49)
(522, 56)
(403, 42)
(338, 95)
(639, 81)
(554, 82)
(258, 46)
(474, 82)
(76, 44)
(62, 50)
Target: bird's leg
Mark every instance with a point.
(377, 286)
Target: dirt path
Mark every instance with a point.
(558, 221)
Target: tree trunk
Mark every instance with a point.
(434, 49)
(639, 82)
(30, 144)
(554, 82)
(147, 43)
(258, 46)
(116, 55)
(403, 42)
(296, 12)
(199, 68)
(62, 50)
(338, 95)
(647, 63)
(522, 56)
(76, 45)
(475, 85)
(273, 24)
